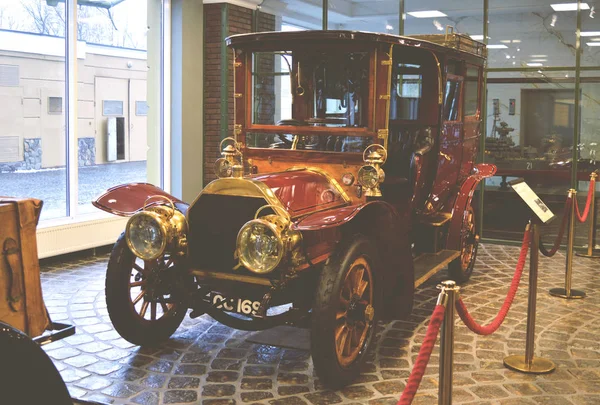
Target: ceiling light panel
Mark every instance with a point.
(569, 6)
(426, 14)
(497, 46)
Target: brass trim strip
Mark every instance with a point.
(230, 277)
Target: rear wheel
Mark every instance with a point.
(461, 269)
(344, 313)
(140, 303)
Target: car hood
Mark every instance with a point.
(302, 191)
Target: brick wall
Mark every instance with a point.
(239, 22)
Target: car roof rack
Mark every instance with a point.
(454, 40)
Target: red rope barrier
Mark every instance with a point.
(495, 324)
(416, 375)
(561, 231)
(586, 211)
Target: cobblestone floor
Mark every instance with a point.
(208, 363)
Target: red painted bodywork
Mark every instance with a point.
(127, 199)
(463, 200)
(303, 191)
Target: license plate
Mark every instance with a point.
(238, 305)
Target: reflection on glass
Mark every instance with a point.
(112, 109)
(531, 36)
(288, 15)
(32, 95)
(530, 127)
(311, 87)
(454, 14)
(323, 143)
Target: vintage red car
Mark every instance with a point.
(347, 183)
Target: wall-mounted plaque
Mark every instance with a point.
(532, 200)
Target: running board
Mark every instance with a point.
(427, 265)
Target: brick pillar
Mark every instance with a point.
(238, 21)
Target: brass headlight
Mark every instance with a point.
(260, 246)
(369, 176)
(146, 234)
(156, 230)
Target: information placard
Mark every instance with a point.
(532, 200)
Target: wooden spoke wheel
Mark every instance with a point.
(345, 312)
(140, 297)
(355, 313)
(462, 268)
(150, 300)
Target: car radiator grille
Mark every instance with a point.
(214, 222)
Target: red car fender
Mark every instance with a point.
(127, 199)
(380, 221)
(463, 200)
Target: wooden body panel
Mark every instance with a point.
(21, 301)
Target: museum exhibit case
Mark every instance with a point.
(302, 212)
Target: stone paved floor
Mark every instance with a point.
(208, 363)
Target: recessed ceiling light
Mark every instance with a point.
(535, 64)
(593, 43)
(539, 56)
(539, 60)
(389, 27)
(569, 6)
(590, 33)
(478, 37)
(516, 41)
(497, 46)
(426, 14)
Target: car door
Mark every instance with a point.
(450, 148)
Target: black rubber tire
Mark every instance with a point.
(456, 270)
(323, 348)
(125, 319)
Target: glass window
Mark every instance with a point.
(382, 17)
(112, 130)
(315, 87)
(424, 17)
(451, 100)
(55, 105)
(324, 143)
(471, 91)
(407, 87)
(532, 36)
(32, 87)
(590, 37)
(529, 134)
(112, 107)
(294, 15)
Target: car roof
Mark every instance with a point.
(439, 43)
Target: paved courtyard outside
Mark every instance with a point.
(208, 363)
(49, 185)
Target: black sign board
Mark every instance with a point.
(532, 200)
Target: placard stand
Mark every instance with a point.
(528, 363)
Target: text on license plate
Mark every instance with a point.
(239, 305)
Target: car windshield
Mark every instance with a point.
(310, 88)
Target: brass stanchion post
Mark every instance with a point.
(447, 344)
(529, 363)
(592, 223)
(568, 292)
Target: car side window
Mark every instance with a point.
(471, 91)
(407, 87)
(452, 98)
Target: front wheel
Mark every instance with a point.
(140, 305)
(461, 269)
(344, 313)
